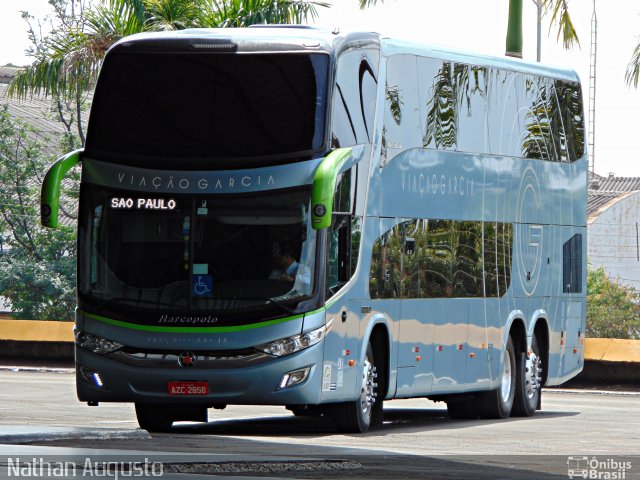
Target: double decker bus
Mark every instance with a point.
(323, 221)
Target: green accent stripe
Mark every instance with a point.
(324, 184)
(238, 328)
(50, 193)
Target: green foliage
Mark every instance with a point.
(613, 309)
(633, 69)
(37, 266)
(66, 62)
(561, 18)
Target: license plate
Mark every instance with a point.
(188, 388)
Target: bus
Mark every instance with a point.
(325, 221)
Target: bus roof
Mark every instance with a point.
(256, 38)
(281, 38)
(392, 46)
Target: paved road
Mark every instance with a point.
(39, 415)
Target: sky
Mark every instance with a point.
(478, 26)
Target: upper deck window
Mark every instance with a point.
(209, 106)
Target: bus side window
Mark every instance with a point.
(498, 240)
(354, 98)
(472, 91)
(541, 128)
(386, 264)
(570, 105)
(344, 235)
(505, 115)
(402, 109)
(572, 265)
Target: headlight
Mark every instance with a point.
(96, 344)
(289, 345)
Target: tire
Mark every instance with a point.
(498, 403)
(366, 411)
(153, 417)
(528, 381)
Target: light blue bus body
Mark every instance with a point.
(453, 266)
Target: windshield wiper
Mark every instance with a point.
(273, 301)
(113, 300)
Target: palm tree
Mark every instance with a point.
(633, 69)
(67, 64)
(560, 17)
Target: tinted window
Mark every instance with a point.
(473, 90)
(505, 120)
(442, 106)
(384, 280)
(572, 115)
(442, 259)
(213, 106)
(402, 111)
(497, 258)
(354, 98)
(572, 265)
(467, 272)
(540, 130)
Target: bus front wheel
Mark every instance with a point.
(366, 411)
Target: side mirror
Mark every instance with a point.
(50, 193)
(324, 185)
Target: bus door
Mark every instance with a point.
(385, 283)
(344, 313)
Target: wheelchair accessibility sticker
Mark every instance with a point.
(202, 285)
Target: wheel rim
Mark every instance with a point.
(506, 377)
(368, 392)
(533, 375)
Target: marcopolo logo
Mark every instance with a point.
(597, 468)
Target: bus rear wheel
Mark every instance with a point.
(528, 381)
(366, 411)
(499, 402)
(154, 417)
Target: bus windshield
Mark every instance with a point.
(211, 107)
(196, 254)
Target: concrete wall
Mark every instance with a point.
(613, 240)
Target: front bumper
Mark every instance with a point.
(252, 384)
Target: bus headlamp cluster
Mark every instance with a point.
(96, 344)
(289, 345)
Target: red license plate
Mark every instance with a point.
(188, 388)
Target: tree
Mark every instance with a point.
(633, 69)
(560, 17)
(67, 61)
(37, 266)
(613, 309)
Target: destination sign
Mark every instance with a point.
(128, 203)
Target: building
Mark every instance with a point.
(613, 229)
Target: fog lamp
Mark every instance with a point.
(92, 377)
(294, 378)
